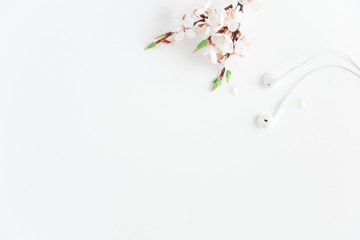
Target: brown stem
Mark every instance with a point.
(164, 38)
(228, 7)
(236, 35)
(241, 7)
(201, 20)
(222, 30)
(231, 6)
(221, 76)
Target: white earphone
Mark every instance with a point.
(269, 80)
(267, 120)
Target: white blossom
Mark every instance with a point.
(233, 24)
(204, 31)
(201, 6)
(253, 3)
(182, 27)
(212, 51)
(223, 42)
(216, 19)
(221, 30)
(233, 19)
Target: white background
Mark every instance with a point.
(102, 140)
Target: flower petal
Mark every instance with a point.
(188, 22)
(200, 11)
(190, 34)
(207, 31)
(223, 42)
(233, 25)
(176, 25)
(213, 55)
(228, 45)
(179, 36)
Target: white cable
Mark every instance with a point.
(266, 120)
(318, 54)
(313, 71)
(269, 80)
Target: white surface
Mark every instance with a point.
(101, 140)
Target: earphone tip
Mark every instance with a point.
(265, 120)
(268, 80)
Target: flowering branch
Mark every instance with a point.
(162, 39)
(220, 29)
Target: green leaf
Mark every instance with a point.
(228, 75)
(216, 83)
(151, 45)
(201, 45)
(160, 36)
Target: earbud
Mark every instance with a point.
(267, 121)
(269, 80)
